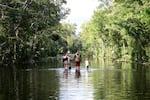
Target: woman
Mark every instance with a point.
(65, 61)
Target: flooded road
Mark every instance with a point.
(106, 83)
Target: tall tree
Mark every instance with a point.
(123, 28)
(23, 22)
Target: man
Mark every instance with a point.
(77, 59)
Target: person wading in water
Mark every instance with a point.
(65, 61)
(77, 59)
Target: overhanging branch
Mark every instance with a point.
(6, 6)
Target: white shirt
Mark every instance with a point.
(86, 63)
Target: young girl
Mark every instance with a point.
(86, 64)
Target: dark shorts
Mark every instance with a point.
(77, 63)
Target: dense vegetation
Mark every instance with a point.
(119, 30)
(32, 29)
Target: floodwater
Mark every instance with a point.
(113, 82)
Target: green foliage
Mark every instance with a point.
(67, 33)
(26, 27)
(120, 30)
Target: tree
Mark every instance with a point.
(23, 24)
(123, 28)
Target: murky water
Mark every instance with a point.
(117, 82)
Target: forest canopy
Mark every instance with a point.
(31, 29)
(119, 29)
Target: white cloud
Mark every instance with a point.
(81, 11)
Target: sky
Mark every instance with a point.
(81, 11)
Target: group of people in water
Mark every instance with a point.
(76, 60)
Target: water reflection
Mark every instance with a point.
(117, 82)
(122, 83)
(77, 73)
(76, 86)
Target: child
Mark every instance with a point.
(69, 62)
(86, 64)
